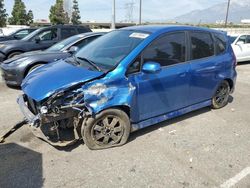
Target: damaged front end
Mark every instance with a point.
(56, 120)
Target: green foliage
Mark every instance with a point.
(3, 15)
(19, 16)
(75, 19)
(58, 14)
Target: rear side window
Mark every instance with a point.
(201, 45)
(82, 30)
(167, 50)
(86, 41)
(68, 32)
(220, 43)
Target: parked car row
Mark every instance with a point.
(15, 69)
(126, 80)
(17, 35)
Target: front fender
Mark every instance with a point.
(112, 96)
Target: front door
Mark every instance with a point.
(167, 90)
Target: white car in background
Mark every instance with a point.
(241, 47)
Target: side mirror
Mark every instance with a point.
(240, 43)
(37, 39)
(16, 37)
(73, 49)
(151, 67)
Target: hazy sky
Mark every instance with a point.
(100, 10)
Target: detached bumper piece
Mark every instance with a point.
(58, 130)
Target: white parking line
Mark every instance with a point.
(231, 182)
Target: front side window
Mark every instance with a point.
(48, 35)
(167, 50)
(201, 45)
(242, 39)
(60, 45)
(21, 34)
(248, 39)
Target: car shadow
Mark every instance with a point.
(20, 167)
(70, 147)
(243, 63)
(169, 122)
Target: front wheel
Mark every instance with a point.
(221, 96)
(108, 129)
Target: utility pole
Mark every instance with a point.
(113, 16)
(228, 5)
(130, 10)
(140, 6)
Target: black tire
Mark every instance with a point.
(108, 129)
(13, 54)
(221, 96)
(33, 68)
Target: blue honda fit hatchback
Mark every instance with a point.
(127, 80)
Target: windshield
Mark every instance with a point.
(232, 39)
(107, 51)
(31, 35)
(60, 45)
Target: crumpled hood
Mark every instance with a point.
(48, 79)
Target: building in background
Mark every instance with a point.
(67, 5)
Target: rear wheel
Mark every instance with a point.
(221, 96)
(108, 129)
(13, 54)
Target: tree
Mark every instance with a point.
(75, 19)
(30, 17)
(19, 16)
(58, 14)
(3, 15)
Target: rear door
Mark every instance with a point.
(167, 90)
(205, 66)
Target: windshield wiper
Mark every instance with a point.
(90, 62)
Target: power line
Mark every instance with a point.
(130, 11)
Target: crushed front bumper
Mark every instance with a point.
(35, 126)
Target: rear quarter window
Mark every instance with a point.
(202, 45)
(220, 43)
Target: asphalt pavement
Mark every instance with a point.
(205, 148)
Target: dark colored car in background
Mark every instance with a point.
(18, 35)
(40, 39)
(15, 69)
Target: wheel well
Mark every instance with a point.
(231, 83)
(124, 108)
(30, 66)
(14, 52)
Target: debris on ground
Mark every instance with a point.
(12, 130)
(172, 132)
